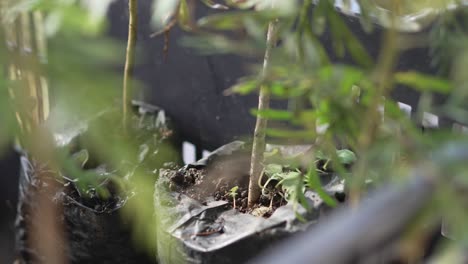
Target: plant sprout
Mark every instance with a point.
(233, 194)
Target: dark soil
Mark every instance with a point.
(214, 181)
(201, 185)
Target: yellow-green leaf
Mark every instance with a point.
(423, 82)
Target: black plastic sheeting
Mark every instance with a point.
(357, 236)
(209, 232)
(95, 231)
(9, 167)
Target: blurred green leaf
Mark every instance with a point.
(245, 86)
(273, 114)
(319, 18)
(423, 82)
(183, 17)
(272, 169)
(346, 156)
(285, 133)
(313, 182)
(233, 20)
(293, 186)
(219, 44)
(344, 37)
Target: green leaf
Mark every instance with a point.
(272, 114)
(313, 182)
(184, 16)
(244, 87)
(357, 50)
(278, 89)
(319, 18)
(272, 169)
(293, 186)
(346, 156)
(423, 82)
(233, 20)
(284, 133)
(322, 53)
(233, 190)
(344, 37)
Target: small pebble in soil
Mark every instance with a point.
(244, 194)
(260, 211)
(190, 178)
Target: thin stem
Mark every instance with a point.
(384, 71)
(258, 147)
(129, 59)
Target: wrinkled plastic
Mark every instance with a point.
(209, 232)
(95, 232)
(360, 235)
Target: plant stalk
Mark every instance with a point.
(258, 147)
(385, 68)
(129, 60)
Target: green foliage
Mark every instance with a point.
(346, 156)
(313, 182)
(293, 183)
(423, 82)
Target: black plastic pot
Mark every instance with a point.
(209, 231)
(94, 229)
(91, 236)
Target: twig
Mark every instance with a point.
(260, 127)
(130, 59)
(168, 27)
(384, 71)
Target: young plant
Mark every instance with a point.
(233, 194)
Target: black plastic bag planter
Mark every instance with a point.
(211, 231)
(362, 235)
(94, 230)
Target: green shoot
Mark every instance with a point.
(233, 194)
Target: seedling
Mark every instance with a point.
(233, 194)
